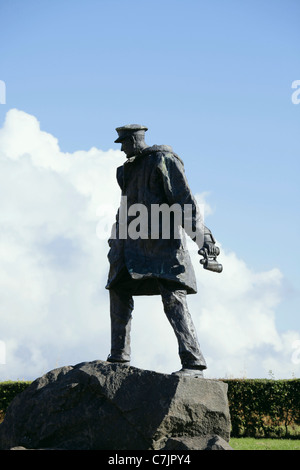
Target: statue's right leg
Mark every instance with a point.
(121, 307)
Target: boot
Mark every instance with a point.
(192, 373)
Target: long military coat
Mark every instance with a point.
(155, 176)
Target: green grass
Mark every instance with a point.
(250, 443)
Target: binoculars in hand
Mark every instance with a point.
(210, 261)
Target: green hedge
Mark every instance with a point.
(264, 408)
(258, 407)
(8, 390)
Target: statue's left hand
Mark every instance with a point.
(211, 248)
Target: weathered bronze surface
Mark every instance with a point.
(159, 265)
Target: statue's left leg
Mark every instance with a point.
(176, 309)
(121, 307)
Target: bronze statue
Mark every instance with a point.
(147, 262)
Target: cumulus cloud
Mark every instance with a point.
(56, 213)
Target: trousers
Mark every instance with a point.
(177, 312)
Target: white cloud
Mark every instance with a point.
(201, 199)
(54, 307)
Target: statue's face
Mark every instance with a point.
(128, 147)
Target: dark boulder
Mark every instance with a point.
(100, 405)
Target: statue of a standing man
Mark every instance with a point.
(157, 265)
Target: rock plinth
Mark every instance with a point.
(99, 405)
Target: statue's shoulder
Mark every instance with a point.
(158, 148)
(165, 151)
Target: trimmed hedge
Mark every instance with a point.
(258, 407)
(264, 408)
(8, 390)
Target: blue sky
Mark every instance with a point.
(211, 79)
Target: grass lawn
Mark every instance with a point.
(250, 443)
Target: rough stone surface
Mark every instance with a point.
(100, 405)
(197, 443)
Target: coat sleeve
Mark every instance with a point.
(177, 191)
(120, 176)
(115, 228)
